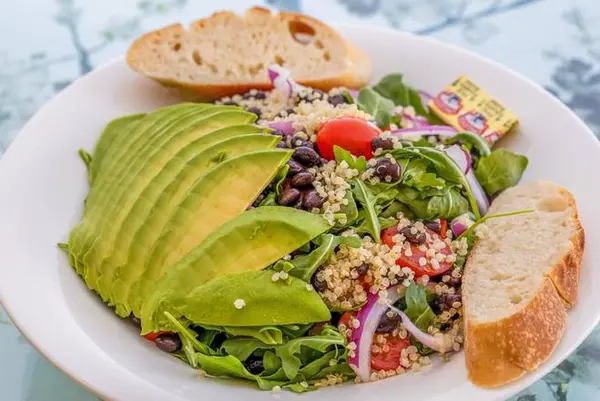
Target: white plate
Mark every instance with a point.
(43, 184)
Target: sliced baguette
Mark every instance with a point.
(519, 281)
(227, 54)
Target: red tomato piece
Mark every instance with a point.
(350, 133)
(443, 228)
(346, 318)
(412, 261)
(153, 336)
(389, 360)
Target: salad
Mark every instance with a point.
(294, 237)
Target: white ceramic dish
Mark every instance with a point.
(43, 184)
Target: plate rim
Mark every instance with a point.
(107, 392)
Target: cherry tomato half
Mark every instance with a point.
(389, 360)
(350, 133)
(153, 336)
(345, 319)
(412, 261)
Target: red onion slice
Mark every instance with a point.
(440, 130)
(460, 224)
(426, 339)
(369, 317)
(460, 157)
(284, 126)
(479, 194)
(463, 159)
(282, 81)
(416, 121)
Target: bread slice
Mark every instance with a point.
(227, 54)
(519, 281)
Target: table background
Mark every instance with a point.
(47, 44)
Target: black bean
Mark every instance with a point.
(362, 269)
(168, 342)
(254, 365)
(445, 301)
(387, 170)
(388, 324)
(260, 95)
(255, 110)
(278, 133)
(382, 143)
(295, 168)
(337, 99)
(137, 322)
(307, 156)
(434, 225)
(311, 199)
(455, 282)
(288, 196)
(417, 238)
(303, 179)
(320, 286)
(282, 145)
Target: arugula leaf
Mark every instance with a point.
(445, 167)
(471, 139)
(416, 176)
(392, 87)
(394, 208)
(417, 308)
(306, 265)
(280, 177)
(448, 205)
(342, 154)
(376, 105)
(350, 210)
(500, 170)
(190, 335)
(367, 200)
(269, 200)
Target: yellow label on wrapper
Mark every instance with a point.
(466, 107)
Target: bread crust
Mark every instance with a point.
(499, 352)
(357, 75)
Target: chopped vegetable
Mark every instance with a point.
(352, 134)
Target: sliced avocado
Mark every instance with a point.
(218, 196)
(250, 242)
(150, 125)
(120, 190)
(214, 303)
(182, 170)
(115, 128)
(124, 196)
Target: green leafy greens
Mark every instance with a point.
(379, 107)
(500, 170)
(417, 308)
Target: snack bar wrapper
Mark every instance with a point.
(466, 107)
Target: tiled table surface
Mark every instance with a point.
(46, 44)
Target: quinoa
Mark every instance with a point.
(331, 183)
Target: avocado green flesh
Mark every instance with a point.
(117, 272)
(157, 172)
(118, 127)
(128, 193)
(116, 175)
(118, 196)
(214, 302)
(250, 242)
(218, 196)
(150, 125)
